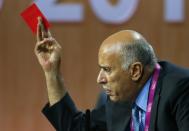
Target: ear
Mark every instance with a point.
(136, 71)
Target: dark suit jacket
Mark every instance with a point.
(170, 110)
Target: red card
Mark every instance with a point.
(30, 16)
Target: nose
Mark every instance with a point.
(101, 79)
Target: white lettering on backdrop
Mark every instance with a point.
(1, 4)
(54, 12)
(174, 10)
(106, 12)
(115, 14)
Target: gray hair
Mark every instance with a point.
(138, 51)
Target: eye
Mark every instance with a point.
(107, 69)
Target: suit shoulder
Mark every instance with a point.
(173, 71)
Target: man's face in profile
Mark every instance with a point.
(112, 77)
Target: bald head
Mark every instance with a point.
(131, 46)
(123, 37)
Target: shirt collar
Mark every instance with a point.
(142, 98)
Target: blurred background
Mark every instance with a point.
(164, 23)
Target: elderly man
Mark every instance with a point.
(143, 94)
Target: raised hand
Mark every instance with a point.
(47, 49)
(48, 52)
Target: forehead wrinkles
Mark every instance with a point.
(110, 48)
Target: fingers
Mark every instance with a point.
(49, 34)
(41, 31)
(44, 31)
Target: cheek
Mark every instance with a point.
(121, 85)
(115, 84)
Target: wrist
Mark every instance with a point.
(53, 77)
(52, 73)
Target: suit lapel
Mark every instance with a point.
(154, 113)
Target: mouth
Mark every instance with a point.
(109, 92)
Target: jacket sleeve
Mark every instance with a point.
(64, 115)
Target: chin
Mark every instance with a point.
(113, 98)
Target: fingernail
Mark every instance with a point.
(39, 19)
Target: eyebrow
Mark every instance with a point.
(102, 66)
(105, 66)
